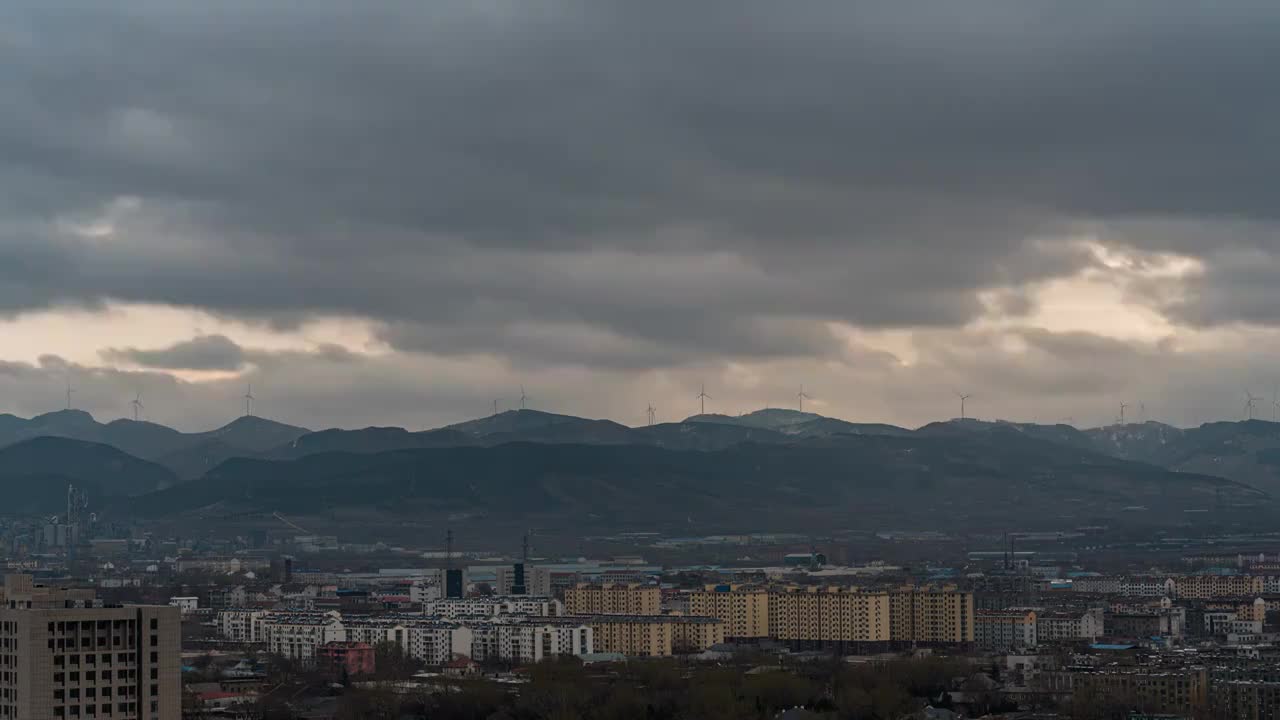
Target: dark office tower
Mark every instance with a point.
(453, 586)
(518, 586)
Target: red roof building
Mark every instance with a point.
(354, 657)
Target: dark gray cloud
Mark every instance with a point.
(631, 185)
(205, 352)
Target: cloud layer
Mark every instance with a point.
(605, 194)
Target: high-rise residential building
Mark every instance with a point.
(613, 599)
(743, 608)
(654, 635)
(829, 616)
(534, 580)
(64, 654)
(1005, 629)
(931, 615)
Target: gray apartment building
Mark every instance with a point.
(63, 654)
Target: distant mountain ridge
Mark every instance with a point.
(1244, 451)
(35, 473)
(838, 480)
(244, 436)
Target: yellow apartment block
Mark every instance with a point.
(931, 615)
(654, 635)
(1207, 587)
(691, 634)
(743, 608)
(613, 599)
(829, 615)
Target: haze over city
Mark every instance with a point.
(396, 216)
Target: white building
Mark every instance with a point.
(529, 640)
(242, 626)
(1054, 627)
(297, 635)
(494, 606)
(431, 641)
(187, 605)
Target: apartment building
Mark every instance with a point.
(493, 606)
(434, 642)
(1208, 587)
(1245, 700)
(529, 639)
(1060, 626)
(537, 580)
(655, 635)
(743, 608)
(613, 599)
(1126, 585)
(931, 615)
(806, 617)
(296, 635)
(1005, 630)
(63, 654)
(1177, 691)
(242, 626)
(692, 634)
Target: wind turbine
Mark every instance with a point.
(137, 406)
(704, 397)
(962, 397)
(652, 411)
(1275, 404)
(495, 407)
(1250, 403)
(69, 391)
(248, 400)
(523, 398)
(802, 397)
(1123, 405)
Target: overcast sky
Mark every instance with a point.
(396, 212)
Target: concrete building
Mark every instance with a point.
(654, 635)
(433, 642)
(492, 606)
(354, 658)
(613, 599)
(537, 580)
(743, 608)
(829, 617)
(68, 655)
(1208, 587)
(296, 635)
(242, 626)
(530, 639)
(185, 605)
(1005, 630)
(1069, 626)
(931, 615)
(1176, 691)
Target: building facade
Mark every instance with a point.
(64, 654)
(613, 599)
(1005, 630)
(743, 608)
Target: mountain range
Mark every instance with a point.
(788, 461)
